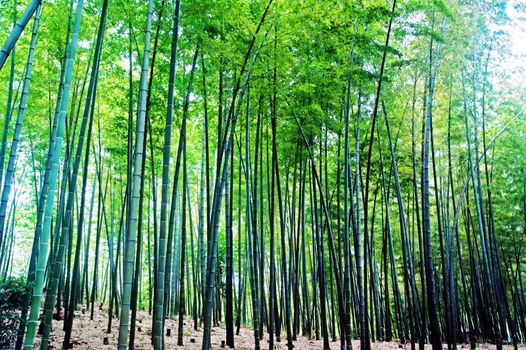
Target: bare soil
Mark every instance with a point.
(91, 334)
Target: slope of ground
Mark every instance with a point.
(91, 334)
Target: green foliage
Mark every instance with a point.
(308, 45)
(13, 299)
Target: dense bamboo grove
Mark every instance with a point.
(335, 170)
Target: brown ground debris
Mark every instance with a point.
(88, 334)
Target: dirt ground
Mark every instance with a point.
(89, 334)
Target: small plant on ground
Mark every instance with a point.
(13, 298)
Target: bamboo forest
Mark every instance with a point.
(262, 174)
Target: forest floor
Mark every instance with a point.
(88, 334)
